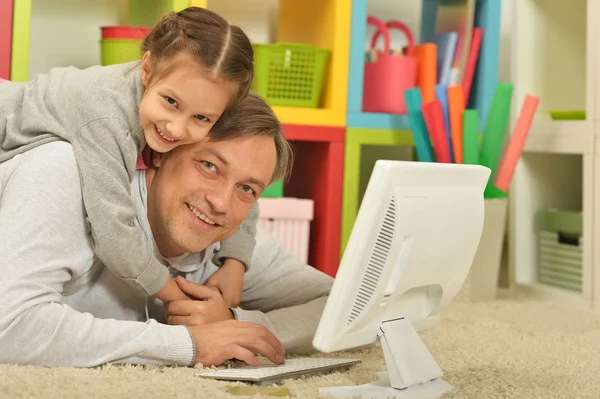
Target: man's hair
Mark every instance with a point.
(252, 116)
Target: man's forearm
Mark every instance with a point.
(52, 334)
(295, 327)
(284, 294)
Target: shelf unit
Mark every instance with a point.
(555, 57)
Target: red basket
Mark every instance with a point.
(386, 79)
(124, 32)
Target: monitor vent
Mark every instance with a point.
(376, 263)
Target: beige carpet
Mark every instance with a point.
(523, 345)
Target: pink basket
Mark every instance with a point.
(387, 77)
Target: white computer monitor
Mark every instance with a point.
(411, 247)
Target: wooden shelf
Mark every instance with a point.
(311, 116)
(368, 120)
(561, 137)
(551, 54)
(317, 174)
(325, 24)
(554, 57)
(355, 139)
(321, 23)
(314, 133)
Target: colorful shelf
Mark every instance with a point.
(328, 139)
(317, 174)
(310, 116)
(355, 139)
(370, 120)
(6, 22)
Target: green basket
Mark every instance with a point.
(119, 51)
(290, 74)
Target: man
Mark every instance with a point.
(59, 306)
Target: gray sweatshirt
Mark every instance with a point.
(59, 305)
(97, 111)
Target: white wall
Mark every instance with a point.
(258, 18)
(66, 32)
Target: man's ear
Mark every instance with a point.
(146, 69)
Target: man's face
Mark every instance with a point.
(202, 192)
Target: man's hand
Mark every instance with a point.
(171, 292)
(229, 279)
(232, 339)
(207, 306)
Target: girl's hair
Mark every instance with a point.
(222, 49)
(252, 116)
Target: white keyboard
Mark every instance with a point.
(269, 373)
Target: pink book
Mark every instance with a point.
(471, 63)
(517, 142)
(434, 119)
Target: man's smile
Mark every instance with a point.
(202, 216)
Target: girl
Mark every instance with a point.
(195, 66)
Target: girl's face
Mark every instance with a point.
(181, 107)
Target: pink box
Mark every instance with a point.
(288, 220)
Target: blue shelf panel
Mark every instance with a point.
(370, 120)
(358, 33)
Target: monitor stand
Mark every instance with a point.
(412, 372)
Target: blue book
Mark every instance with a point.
(423, 146)
(446, 47)
(441, 94)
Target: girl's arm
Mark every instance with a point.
(241, 244)
(107, 160)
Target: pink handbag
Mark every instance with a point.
(387, 77)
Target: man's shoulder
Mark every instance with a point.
(56, 154)
(53, 162)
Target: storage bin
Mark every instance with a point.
(560, 255)
(290, 74)
(288, 220)
(118, 51)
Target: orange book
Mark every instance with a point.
(456, 107)
(426, 54)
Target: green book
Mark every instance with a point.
(470, 136)
(495, 127)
